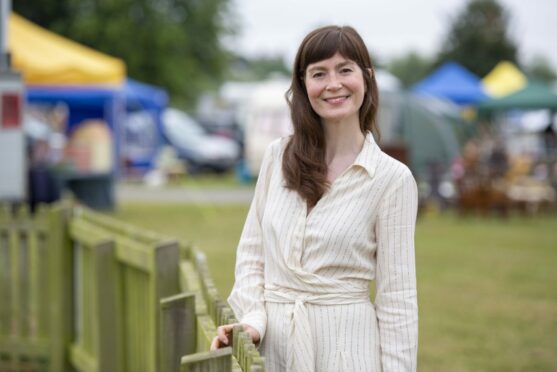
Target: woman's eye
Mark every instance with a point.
(346, 70)
(317, 75)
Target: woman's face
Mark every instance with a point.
(335, 88)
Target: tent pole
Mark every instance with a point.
(5, 10)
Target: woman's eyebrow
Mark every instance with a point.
(316, 68)
(345, 63)
(338, 65)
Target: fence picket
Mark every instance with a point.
(60, 290)
(5, 282)
(177, 325)
(34, 285)
(15, 283)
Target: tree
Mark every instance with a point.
(540, 69)
(172, 43)
(257, 68)
(478, 37)
(410, 68)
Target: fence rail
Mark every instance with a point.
(83, 291)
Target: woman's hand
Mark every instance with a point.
(224, 335)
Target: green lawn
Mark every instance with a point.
(487, 287)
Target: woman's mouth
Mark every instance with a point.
(336, 100)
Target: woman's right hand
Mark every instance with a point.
(224, 335)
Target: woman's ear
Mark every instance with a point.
(370, 71)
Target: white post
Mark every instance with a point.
(5, 10)
(13, 161)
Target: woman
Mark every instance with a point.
(331, 213)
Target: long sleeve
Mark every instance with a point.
(246, 298)
(396, 295)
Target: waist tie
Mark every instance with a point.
(301, 353)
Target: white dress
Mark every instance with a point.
(303, 280)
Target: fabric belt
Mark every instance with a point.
(301, 353)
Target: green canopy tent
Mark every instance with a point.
(431, 132)
(533, 96)
(430, 129)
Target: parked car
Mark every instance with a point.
(199, 150)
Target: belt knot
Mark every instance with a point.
(301, 353)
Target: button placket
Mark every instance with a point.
(295, 252)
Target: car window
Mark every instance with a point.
(180, 127)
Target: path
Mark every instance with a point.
(140, 193)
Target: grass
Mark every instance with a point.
(488, 294)
(487, 287)
(214, 229)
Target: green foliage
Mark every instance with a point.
(259, 68)
(541, 70)
(172, 43)
(410, 68)
(478, 38)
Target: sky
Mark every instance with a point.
(389, 27)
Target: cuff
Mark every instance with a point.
(258, 321)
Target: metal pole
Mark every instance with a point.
(5, 10)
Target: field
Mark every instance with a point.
(487, 288)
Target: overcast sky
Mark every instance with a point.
(389, 27)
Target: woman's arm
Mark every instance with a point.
(246, 298)
(396, 297)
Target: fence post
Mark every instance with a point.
(178, 330)
(61, 286)
(166, 283)
(106, 293)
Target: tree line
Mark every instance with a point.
(478, 38)
(176, 44)
(181, 44)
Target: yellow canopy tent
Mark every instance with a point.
(45, 58)
(504, 79)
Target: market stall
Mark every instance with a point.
(70, 86)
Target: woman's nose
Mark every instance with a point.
(334, 83)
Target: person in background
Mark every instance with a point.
(331, 214)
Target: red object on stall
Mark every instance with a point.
(11, 111)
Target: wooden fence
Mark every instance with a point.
(82, 291)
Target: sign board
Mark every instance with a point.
(13, 161)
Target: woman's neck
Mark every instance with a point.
(343, 140)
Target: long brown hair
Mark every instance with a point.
(303, 164)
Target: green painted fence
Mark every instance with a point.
(34, 305)
(213, 310)
(122, 274)
(82, 291)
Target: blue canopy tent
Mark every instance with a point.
(132, 113)
(141, 96)
(141, 133)
(453, 82)
(83, 103)
(95, 189)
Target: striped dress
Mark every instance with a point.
(302, 280)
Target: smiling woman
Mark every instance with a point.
(335, 88)
(331, 213)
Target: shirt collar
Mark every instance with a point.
(369, 155)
